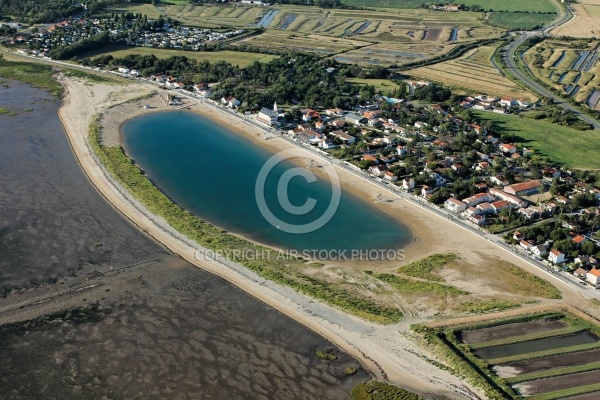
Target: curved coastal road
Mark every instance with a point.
(509, 56)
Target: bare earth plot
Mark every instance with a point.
(473, 71)
(307, 43)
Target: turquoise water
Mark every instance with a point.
(212, 172)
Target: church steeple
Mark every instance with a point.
(275, 107)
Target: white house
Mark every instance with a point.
(377, 170)
(525, 244)
(389, 176)
(401, 150)
(593, 276)
(556, 257)
(454, 205)
(408, 184)
(540, 250)
(326, 144)
(123, 70)
(230, 102)
(343, 136)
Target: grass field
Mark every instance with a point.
(234, 57)
(475, 72)
(147, 9)
(518, 20)
(381, 85)
(392, 53)
(215, 16)
(319, 44)
(571, 147)
(498, 5)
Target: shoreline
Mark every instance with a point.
(383, 350)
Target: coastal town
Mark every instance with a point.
(359, 199)
(502, 187)
(125, 29)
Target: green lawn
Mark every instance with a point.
(381, 85)
(497, 5)
(571, 147)
(147, 9)
(234, 57)
(510, 20)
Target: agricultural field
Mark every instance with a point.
(319, 44)
(571, 147)
(569, 66)
(392, 38)
(543, 356)
(147, 9)
(517, 21)
(392, 54)
(215, 16)
(234, 57)
(486, 5)
(474, 72)
(381, 85)
(586, 22)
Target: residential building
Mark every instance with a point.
(556, 257)
(343, 136)
(352, 118)
(455, 205)
(230, 102)
(408, 184)
(593, 276)
(390, 176)
(477, 199)
(508, 197)
(267, 116)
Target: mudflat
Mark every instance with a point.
(94, 307)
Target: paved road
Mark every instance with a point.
(509, 57)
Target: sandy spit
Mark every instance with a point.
(388, 352)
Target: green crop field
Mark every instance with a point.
(381, 85)
(571, 147)
(487, 5)
(147, 9)
(234, 57)
(510, 20)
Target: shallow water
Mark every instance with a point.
(167, 329)
(213, 172)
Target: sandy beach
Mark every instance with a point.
(388, 352)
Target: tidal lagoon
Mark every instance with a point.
(212, 172)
